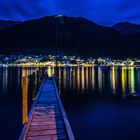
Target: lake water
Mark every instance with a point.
(94, 99)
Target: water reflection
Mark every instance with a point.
(64, 78)
(77, 81)
(5, 80)
(117, 81)
(100, 80)
(100, 101)
(124, 80)
(21, 84)
(131, 78)
(137, 79)
(81, 79)
(113, 79)
(93, 78)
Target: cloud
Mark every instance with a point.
(104, 12)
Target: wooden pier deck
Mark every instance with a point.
(47, 118)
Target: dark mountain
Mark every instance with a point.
(132, 34)
(127, 28)
(71, 36)
(7, 23)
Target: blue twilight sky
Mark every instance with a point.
(104, 12)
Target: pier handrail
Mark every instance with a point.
(25, 127)
(66, 122)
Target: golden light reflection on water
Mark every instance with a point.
(131, 79)
(70, 79)
(100, 80)
(49, 71)
(53, 70)
(83, 80)
(64, 76)
(74, 78)
(78, 78)
(113, 75)
(87, 78)
(124, 80)
(25, 72)
(93, 78)
(120, 80)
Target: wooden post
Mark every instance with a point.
(24, 100)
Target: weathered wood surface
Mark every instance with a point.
(47, 119)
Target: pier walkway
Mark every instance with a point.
(47, 118)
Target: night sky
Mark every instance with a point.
(104, 12)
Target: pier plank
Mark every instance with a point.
(50, 127)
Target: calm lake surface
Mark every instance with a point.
(94, 99)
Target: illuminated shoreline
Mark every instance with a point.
(63, 65)
(64, 61)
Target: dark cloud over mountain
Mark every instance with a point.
(106, 12)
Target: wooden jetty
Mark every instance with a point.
(47, 119)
